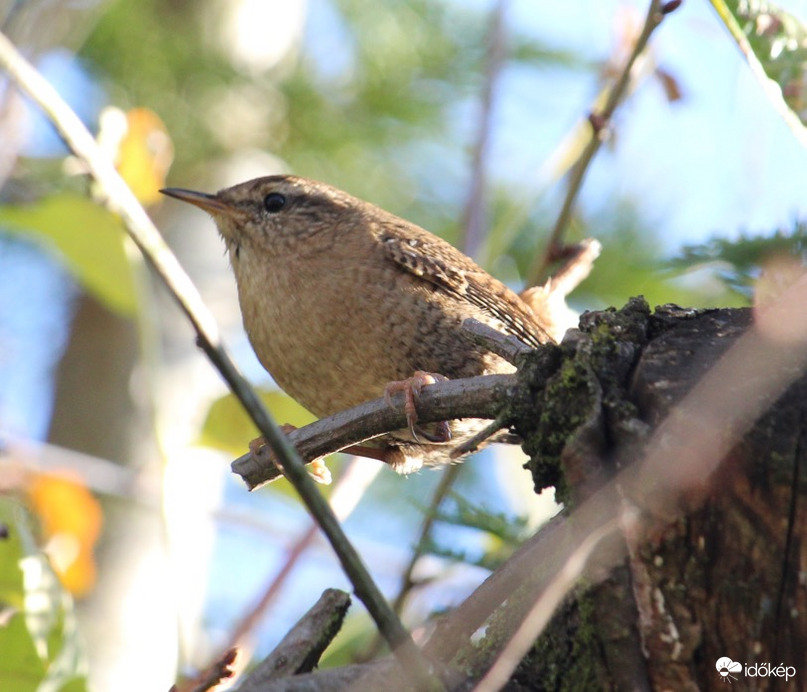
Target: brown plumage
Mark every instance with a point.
(339, 298)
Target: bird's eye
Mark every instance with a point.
(274, 202)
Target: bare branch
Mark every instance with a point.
(507, 346)
(301, 648)
(475, 397)
(116, 196)
(474, 211)
(214, 675)
(600, 122)
(449, 477)
(473, 443)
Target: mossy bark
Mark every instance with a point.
(723, 578)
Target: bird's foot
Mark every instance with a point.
(411, 388)
(262, 452)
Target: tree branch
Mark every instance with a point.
(475, 397)
(300, 650)
(473, 215)
(507, 346)
(117, 197)
(600, 122)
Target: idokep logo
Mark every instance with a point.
(725, 667)
(730, 670)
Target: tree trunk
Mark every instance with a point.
(720, 574)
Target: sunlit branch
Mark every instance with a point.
(117, 197)
(473, 215)
(600, 122)
(474, 397)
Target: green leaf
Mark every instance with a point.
(775, 40)
(88, 238)
(738, 262)
(21, 669)
(357, 634)
(10, 555)
(38, 638)
(227, 426)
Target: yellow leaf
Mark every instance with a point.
(144, 154)
(71, 520)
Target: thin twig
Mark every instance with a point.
(473, 216)
(117, 197)
(474, 442)
(217, 673)
(507, 346)
(472, 227)
(473, 219)
(447, 479)
(599, 125)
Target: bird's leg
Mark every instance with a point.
(411, 387)
(262, 452)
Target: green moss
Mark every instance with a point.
(564, 658)
(589, 382)
(567, 401)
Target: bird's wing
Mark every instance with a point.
(440, 263)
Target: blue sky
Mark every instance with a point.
(719, 161)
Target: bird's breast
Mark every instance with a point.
(334, 334)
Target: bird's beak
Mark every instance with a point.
(210, 203)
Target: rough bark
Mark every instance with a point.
(721, 574)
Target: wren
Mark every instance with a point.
(342, 301)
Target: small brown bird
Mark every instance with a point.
(343, 302)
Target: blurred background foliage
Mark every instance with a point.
(169, 559)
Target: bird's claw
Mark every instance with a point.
(411, 388)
